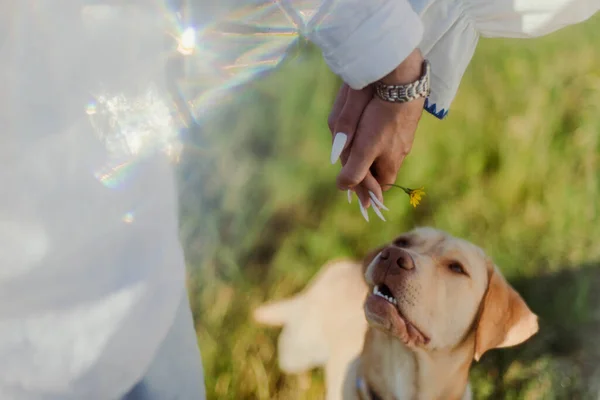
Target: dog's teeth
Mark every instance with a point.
(389, 299)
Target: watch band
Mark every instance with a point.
(405, 93)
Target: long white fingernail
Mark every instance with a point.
(349, 196)
(379, 214)
(363, 211)
(339, 141)
(377, 202)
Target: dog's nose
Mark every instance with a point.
(397, 256)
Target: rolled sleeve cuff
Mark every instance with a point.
(375, 45)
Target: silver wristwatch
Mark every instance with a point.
(404, 93)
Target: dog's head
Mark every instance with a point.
(434, 291)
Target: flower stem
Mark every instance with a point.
(398, 186)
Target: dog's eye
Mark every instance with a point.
(402, 242)
(456, 267)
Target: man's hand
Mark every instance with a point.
(373, 136)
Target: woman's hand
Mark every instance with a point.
(372, 137)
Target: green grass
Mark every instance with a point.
(514, 168)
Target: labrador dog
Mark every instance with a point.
(433, 303)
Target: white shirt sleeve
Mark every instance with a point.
(528, 18)
(452, 30)
(362, 41)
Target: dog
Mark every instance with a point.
(432, 303)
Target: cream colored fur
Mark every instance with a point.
(450, 305)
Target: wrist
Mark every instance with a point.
(407, 72)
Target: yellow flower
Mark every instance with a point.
(415, 196)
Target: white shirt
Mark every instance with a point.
(362, 41)
(91, 269)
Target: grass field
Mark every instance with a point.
(514, 168)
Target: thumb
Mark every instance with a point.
(348, 119)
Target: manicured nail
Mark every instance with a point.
(363, 211)
(377, 202)
(349, 196)
(339, 141)
(376, 209)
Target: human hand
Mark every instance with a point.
(372, 137)
(349, 105)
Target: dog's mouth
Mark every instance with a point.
(382, 310)
(386, 293)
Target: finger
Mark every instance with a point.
(340, 139)
(375, 195)
(369, 194)
(355, 170)
(363, 201)
(362, 193)
(369, 184)
(347, 121)
(386, 173)
(375, 192)
(337, 107)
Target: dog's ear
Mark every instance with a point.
(370, 257)
(505, 319)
